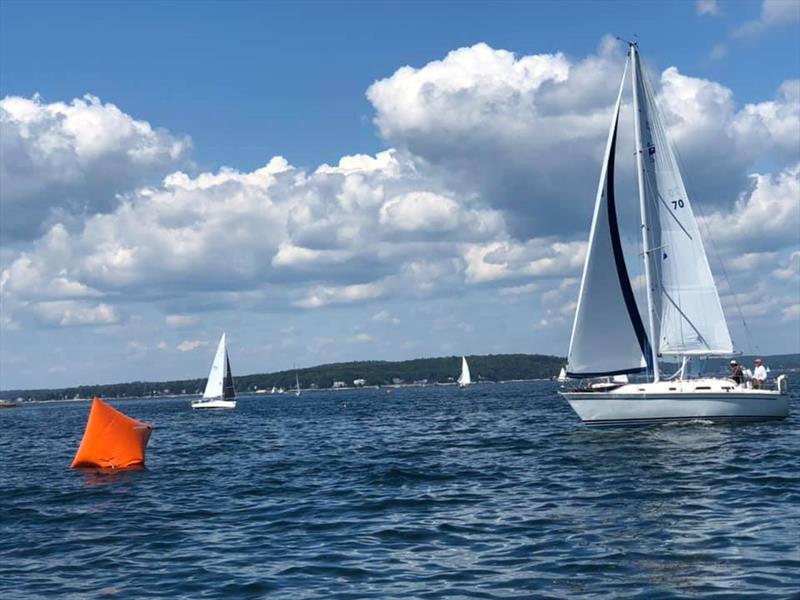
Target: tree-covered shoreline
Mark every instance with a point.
(493, 367)
(438, 370)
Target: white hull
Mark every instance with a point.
(213, 403)
(704, 399)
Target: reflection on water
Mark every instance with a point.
(490, 492)
(94, 476)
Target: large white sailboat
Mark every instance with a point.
(219, 391)
(464, 379)
(684, 313)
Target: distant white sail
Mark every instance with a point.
(220, 378)
(562, 375)
(608, 335)
(464, 379)
(689, 314)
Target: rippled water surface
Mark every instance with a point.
(495, 492)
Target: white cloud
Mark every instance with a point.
(791, 312)
(538, 258)
(322, 296)
(385, 316)
(63, 161)
(67, 313)
(179, 321)
(362, 338)
(190, 345)
(772, 128)
(718, 51)
(774, 13)
(488, 189)
(707, 7)
(766, 218)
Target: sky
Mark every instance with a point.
(350, 180)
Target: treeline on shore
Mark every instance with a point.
(494, 367)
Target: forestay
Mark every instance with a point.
(685, 298)
(608, 336)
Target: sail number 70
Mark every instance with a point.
(677, 203)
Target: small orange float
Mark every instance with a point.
(112, 439)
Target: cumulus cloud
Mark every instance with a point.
(707, 7)
(67, 160)
(385, 316)
(526, 134)
(179, 321)
(190, 345)
(767, 218)
(323, 296)
(774, 13)
(67, 313)
(488, 185)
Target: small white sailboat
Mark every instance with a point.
(562, 375)
(273, 390)
(219, 391)
(684, 313)
(297, 385)
(464, 379)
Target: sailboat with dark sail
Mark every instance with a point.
(219, 392)
(684, 315)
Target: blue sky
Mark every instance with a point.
(195, 87)
(250, 80)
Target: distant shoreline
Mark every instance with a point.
(492, 368)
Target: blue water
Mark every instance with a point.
(495, 492)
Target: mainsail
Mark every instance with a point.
(220, 378)
(688, 317)
(608, 336)
(464, 379)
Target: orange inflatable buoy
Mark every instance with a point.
(112, 439)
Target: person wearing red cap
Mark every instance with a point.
(759, 374)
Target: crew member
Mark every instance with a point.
(759, 374)
(736, 372)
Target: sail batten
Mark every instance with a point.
(608, 336)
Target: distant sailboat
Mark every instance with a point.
(297, 384)
(273, 390)
(562, 375)
(219, 388)
(684, 313)
(464, 379)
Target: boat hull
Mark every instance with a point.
(716, 400)
(211, 403)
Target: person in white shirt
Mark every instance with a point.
(759, 374)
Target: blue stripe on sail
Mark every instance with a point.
(619, 259)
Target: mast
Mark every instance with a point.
(651, 316)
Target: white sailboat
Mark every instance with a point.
(219, 391)
(297, 385)
(562, 375)
(684, 313)
(464, 379)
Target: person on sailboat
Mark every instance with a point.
(759, 374)
(736, 373)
